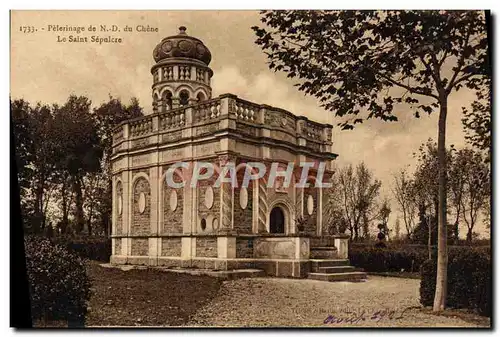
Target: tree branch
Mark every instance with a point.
(417, 90)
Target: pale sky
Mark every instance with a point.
(47, 71)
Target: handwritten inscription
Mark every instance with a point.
(94, 34)
(350, 317)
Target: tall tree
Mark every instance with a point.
(404, 192)
(353, 60)
(476, 186)
(355, 197)
(80, 150)
(36, 156)
(23, 143)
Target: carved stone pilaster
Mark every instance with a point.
(227, 195)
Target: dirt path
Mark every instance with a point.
(378, 302)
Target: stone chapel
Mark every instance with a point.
(222, 227)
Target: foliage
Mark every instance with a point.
(469, 280)
(350, 59)
(62, 155)
(80, 151)
(36, 157)
(59, 286)
(87, 247)
(477, 121)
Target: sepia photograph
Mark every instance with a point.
(251, 168)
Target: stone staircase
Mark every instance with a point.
(334, 270)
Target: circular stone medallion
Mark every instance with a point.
(215, 223)
(185, 46)
(243, 197)
(173, 201)
(209, 197)
(310, 205)
(120, 205)
(142, 202)
(167, 47)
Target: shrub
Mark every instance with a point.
(373, 259)
(87, 247)
(469, 280)
(58, 283)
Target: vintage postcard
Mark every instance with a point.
(291, 168)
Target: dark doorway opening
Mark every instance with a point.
(277, 221)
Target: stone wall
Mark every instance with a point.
(171, 247)
(141, 220)
(206, 247)
(173, 207)
(244, 248)
(140, 247)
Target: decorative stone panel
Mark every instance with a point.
(244, 248)
(172, 217)
(118, 208)
(140, 247)
(274, 248)
(171, 247)
(206, 247)
(310, 209)
(141, 220)
(205, 213)
(243, 216)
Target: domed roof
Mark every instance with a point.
(182, 45)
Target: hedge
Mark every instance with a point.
(58, 284)
(406, 258)
(469, 280)
(374, 259)
(87, 247)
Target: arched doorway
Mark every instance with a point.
(277, 221)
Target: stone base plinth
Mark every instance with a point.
(271, 267)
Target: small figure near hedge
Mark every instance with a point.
(381, 237)
(58, 283)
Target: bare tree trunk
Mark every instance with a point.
(77, 187)
(442, 260)
(469, 235)
(429, 239)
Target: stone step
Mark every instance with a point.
(338, 277)
(323, 252)
(337, 269)
(317, 263)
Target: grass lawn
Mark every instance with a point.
(146, 297)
